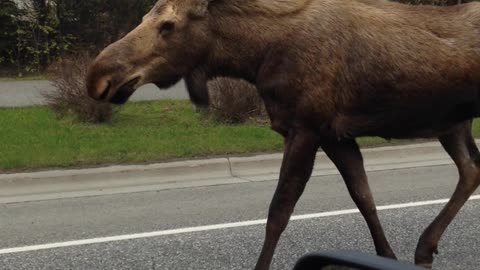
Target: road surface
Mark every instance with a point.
(83, 223)
(29, 93)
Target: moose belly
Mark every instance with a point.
(420, 117)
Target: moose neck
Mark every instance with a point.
(243, 32)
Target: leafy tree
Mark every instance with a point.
(96, 23)
(37, 33)
(9, 13)
(32, 40)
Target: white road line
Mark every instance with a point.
(211, 227)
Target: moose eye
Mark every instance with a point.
(167, 28)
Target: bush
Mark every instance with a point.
(70, 98)
(234, 101)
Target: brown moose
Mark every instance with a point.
(329, 71)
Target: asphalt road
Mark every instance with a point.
(29, 93)
(124, 215)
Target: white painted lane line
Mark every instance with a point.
(212, 227)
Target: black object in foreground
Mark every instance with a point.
(350, 260)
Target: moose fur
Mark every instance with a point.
(329, 71)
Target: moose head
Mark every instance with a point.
(171, 40)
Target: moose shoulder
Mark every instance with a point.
(329, 71)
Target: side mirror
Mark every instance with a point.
(347, 260)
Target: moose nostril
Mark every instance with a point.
(104, 94)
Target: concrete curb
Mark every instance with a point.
(113, 179)
(173, 171)
(120, 179)
(231, 166)
(265, 167)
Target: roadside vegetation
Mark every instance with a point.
(37, 33)
(33, 138)
(24, 78)
(70, 97)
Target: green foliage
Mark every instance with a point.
(96, 23)
(32, 39)
(36, 34)
(8, 20)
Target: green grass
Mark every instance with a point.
(32, 138)
(24, 78)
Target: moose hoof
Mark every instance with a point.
(425, 265)
(424, 261)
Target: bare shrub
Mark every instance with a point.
(234, 101)
(70, 97)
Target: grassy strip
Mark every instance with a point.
(23, 78)
(32, 138)
(141, 132)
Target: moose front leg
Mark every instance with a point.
(347, 158)
(300, 150)
(196, 83)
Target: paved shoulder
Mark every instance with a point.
(222, 227)
(29, 93)
(22, 93)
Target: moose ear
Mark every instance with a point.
(199, 9)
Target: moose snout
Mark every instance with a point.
(103, 77)
(112, 83)
(99, 80)
(99, 89)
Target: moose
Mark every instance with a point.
(328, 71)
(197, 88)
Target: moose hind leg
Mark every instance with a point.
(347, 158)
(297, 166)
(461, 147)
